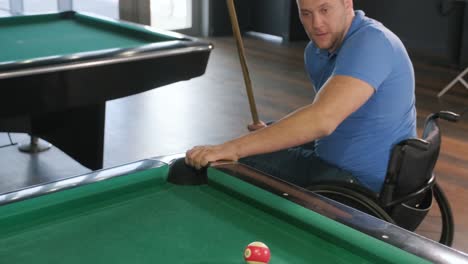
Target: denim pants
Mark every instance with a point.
(299, 166)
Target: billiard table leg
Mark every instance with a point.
(35, 145)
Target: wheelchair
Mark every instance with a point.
(409, 187)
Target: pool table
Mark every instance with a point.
(58, 70)
(133, 214)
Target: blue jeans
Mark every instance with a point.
(299, 166)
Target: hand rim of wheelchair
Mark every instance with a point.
(371, 204)
(429, 184)
(363, 200)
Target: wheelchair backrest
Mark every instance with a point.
(412, 162)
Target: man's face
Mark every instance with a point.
(325, 21)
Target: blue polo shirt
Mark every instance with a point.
(362, 143)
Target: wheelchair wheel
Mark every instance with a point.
(352, 199)
(446, 236)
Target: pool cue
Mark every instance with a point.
(241, 52)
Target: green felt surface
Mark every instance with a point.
(32, 37)
(140, 218)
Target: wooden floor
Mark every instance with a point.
(213, 108)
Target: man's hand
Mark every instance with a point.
(256, 126)
(201, 156)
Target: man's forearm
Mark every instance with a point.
(340, 97)
(300, 127)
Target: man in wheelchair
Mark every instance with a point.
(359, 132)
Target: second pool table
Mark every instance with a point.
(132, 214)
(58, 70)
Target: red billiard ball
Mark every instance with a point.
(257, 253)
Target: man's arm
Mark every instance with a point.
(340, 97)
